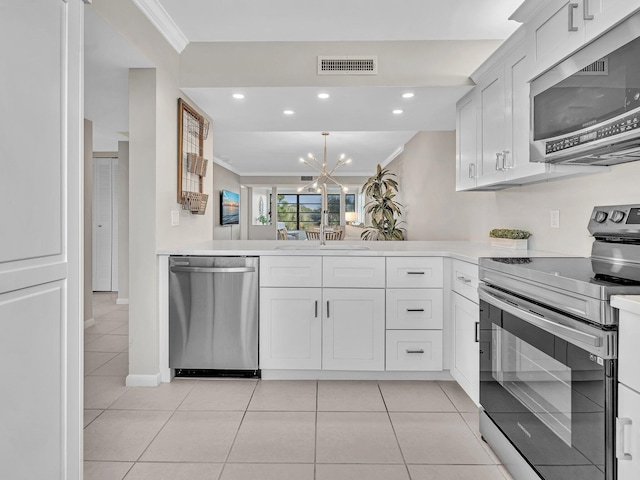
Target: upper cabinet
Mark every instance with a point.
(561, 27)
(493, 120)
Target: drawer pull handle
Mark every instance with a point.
(477, 337)
(621, 423)
(328, 312)
(415, 309)
(419, 350)
(415, 273)
(464, 280)
(316, 308)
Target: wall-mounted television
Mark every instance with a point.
(229, 208)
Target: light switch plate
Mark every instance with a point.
(175, 218)
(555, 218)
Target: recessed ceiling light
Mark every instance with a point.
(397, 111)
(323, 96)
(288, 112)
(407, 95)
(238, 96)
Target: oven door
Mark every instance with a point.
(547, 381)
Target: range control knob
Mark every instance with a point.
(617, 216)
(600, 216)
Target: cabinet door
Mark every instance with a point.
(628, 430)
(354, 332)
(557, 31)
(290, 328)
(466, 363)
(466, 142)
(601, 15)
(517, 163)
(492, 127)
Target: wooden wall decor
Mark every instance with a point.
(193, 128)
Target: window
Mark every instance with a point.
(301, 211)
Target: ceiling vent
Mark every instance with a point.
(361, 65)
(306, 178)
(599, 67)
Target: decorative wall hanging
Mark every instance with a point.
(193, 129)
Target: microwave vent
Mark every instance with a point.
(348, 65)
(306, 178)
(599, 67)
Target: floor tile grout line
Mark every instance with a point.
(393, 429)
(235, 437)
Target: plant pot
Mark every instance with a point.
(517, 244)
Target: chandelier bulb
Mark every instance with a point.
(302, 160)
(300, 189)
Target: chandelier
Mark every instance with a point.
(324, 175)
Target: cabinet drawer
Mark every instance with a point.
(414, 350)
(628, 352)
(294, 271)
(414, 309)
(464, 279)
(362, 272)
(414, 272)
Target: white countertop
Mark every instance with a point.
(629, 303)
(466, 251)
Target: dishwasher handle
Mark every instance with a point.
(213, 269)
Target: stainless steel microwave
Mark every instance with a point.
(586, 110)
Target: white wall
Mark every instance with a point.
(224, 179)
(123, 222)
(435, 211)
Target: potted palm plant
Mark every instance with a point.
(382, 208)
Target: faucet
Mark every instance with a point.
(325, 213)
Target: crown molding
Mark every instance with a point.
(159, 17)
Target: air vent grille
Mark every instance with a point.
(599, 67)
(306, 178)
(363, 65)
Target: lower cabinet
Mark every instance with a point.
(314, 328)
(466, 358)
(290, 328)
(628, 433)
(414, 350)
(353, 331)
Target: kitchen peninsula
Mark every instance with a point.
(358, 310)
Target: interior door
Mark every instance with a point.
(40, 248)
(102, 224)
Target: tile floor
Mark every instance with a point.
(263, 430)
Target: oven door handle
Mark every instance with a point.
(562, 331)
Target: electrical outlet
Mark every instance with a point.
(175, 218)
(555, 218)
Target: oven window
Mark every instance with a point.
(539, 382)
(547, 396)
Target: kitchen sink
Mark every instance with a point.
(322, 247)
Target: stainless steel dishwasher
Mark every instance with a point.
(213, 316)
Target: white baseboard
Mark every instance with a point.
(143, 380)
(352, 375)
(122, 301)
(89, 323)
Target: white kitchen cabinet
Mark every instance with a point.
(465, 315)
(467, 141)
(411, 350)
(414, 309)
(414, 272)
(290, 328)
(601, 15)
(628, 433)
(354, 329)
(492, 126)
(628, 420)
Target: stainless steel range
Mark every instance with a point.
(548, 353)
